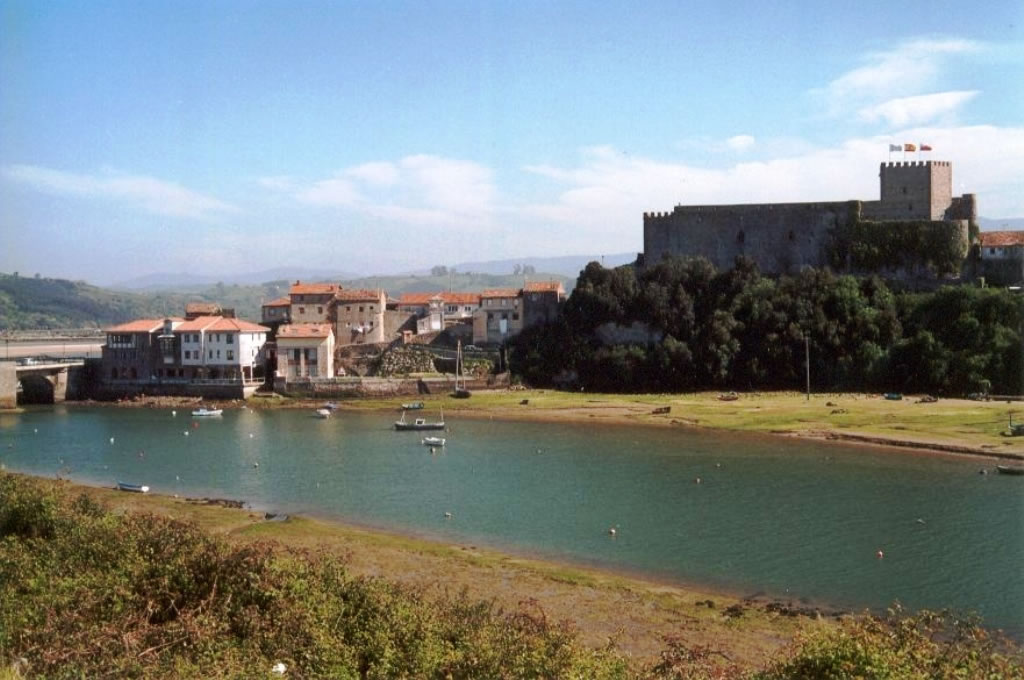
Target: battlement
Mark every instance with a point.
(916, 164)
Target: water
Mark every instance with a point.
(790, 518)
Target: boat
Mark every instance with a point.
(893, 396)
(460, 392)
(433, 441)
(205, 412)
(134, 488)
(728, 396)
(413, 406)
(419, 424)
(1010, 470)
(329, 406)
(323, 413)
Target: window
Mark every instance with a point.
(210, 354)
(910, 207)
(302, 310)
(297, 354)
(218, 354)
(904, 191)
(360, 308)
(515, 316)
(231, 338)
(319, 310)
(188, 354)
(348, 308)
(231, 355)
(741, 237)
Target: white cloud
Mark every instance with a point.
(606, 194)
(152, 195)
(740, 142)
(418, 189)
(380, 173)
(911, 65)
(334, 191)
(903, 71)
(917, 109)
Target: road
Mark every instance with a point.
(15, 349)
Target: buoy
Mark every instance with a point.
(186, 433)
(251, 435)
(255, 465)
(612, 531)
(111, 440)
(880, 554)
(177, 478)
(919, 520)
(36, 430)
(447, 515)
(174, 413)
(697, 480)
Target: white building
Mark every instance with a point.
(216, 347)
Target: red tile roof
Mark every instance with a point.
(220, 324)
(449, 298)
(237, 325)
(358, 295)
(279, 302)
(304, 330)
(990, 239)
(544, 287)
(139, 326)
(299, 288)
(197, 324)
(201, 308)
(501, 293)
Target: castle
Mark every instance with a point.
(786, 237)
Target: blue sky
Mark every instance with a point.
(223, 137)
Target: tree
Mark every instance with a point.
(439, 270)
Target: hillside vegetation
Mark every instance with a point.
(736, 329)
(85, 592)
(28, 303)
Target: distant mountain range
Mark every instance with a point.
(567, 265)
(1005, 224)
(185, 280)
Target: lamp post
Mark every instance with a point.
(807, 363)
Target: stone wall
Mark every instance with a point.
(385, 387)
(779, 237)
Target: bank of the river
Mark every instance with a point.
(603, 605)
(948, 425)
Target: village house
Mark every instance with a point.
(499, 317)
(312, 302)
(542, 301)
(305, 351)
(437, 311)
(158, 356)
(359, 316)
(1001, 256)
(276, 312)
(221, 348)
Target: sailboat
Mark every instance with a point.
(460, 392)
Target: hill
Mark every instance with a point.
(47, 303)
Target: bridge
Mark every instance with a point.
(46, 381)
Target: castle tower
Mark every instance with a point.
(916, 189)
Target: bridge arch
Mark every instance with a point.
(36, 389)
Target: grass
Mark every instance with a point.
(948, 422)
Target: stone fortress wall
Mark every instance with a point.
(786, 237)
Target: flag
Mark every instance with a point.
(895, 147)
(909, 147)
(925, 147)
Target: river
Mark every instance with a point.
(790, 518)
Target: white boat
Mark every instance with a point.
(134, 488)
(433, 441)
(460, 392)
(205, 412)
(419, 423)
(323, 413)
